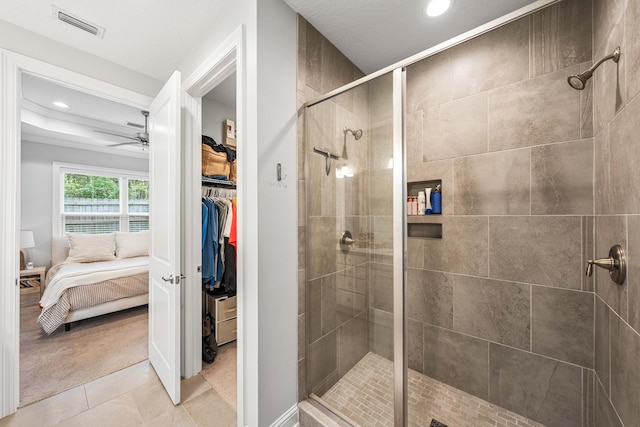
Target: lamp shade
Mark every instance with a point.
(27, 240)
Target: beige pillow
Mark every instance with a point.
(91, 247)
(129, 245)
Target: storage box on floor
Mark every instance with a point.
(224, 312)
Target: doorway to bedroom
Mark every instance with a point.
(84, 172)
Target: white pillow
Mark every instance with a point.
(91, 247)
(129, 245)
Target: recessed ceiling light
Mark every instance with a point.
(60, 104)
(438, 7)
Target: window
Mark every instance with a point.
(99, 200)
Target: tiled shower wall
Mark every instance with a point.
(337, 282)
(617, 205)
(500, 306)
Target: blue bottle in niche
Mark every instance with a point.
(436, 200)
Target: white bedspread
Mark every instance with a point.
(71, 275)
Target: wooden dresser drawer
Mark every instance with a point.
(226, 308)
(226, 331)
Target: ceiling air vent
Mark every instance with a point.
(67, 18)
(135, 125)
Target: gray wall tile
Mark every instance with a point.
(424, 82)
(381, 286)
(415, 252)
(632, 48)
(380, 192)
(544, 390)
(315, 309)
(353, 343)
(328, 303)
(322, 187)
(536, 111)
(414, 137)
(611, 230)
(605, 413)
(609, 81)
(625, 371)
(321, 245)
(302, 380)
(633, 265)
(589, 383)
(527, 249)
(624, 157)
(456, 128)
(322, 360)
(602, 174)
(586, 107)
(602, 343)
(588, 249)
(430, 297)
(491, 309)
(415, 345)
(562, 324)
(462, 249)
(560, 36)
(455, 359)
(381, 333)
(301, 292)
(301, 337)
(562, 178)
(475, 62)
(493, 184)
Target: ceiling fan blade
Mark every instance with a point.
(124, 143)
(115, 134)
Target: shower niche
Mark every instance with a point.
(428, 226)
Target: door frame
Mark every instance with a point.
(228, 58)
(12, 66)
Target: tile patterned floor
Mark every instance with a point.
(364, 396)
(135, 397)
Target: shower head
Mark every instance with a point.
(579, 81)
(357, 134)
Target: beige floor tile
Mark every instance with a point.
(193, 387)
(209, 409)
(222, 374)
(177, 417)
(118, 383)
(151, 400)
(121, 411)
(50, 411)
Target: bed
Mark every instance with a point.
(90, 279)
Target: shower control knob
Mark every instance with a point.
(615, 263)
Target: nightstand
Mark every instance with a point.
(33, 273)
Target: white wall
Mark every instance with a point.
(25, 42)
(269, 208)
(214, 114)
(36, 196)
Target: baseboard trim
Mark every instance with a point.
(288, 419)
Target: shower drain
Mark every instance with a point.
(436, 423)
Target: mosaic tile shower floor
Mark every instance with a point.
(364, 396)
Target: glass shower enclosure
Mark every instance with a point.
(355, 209)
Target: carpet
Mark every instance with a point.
(92, 349)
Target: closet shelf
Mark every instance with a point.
(213, 182)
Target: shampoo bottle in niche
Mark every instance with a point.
(421, 203)
(428, 209)
(437, 200)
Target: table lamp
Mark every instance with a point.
(26, 241)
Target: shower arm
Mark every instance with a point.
(615, 56)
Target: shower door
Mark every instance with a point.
(354, 252)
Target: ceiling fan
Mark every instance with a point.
(138, 138)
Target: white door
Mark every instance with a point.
(164, 222)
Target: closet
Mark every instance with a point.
(219, 206)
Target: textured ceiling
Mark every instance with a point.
(376, 33)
